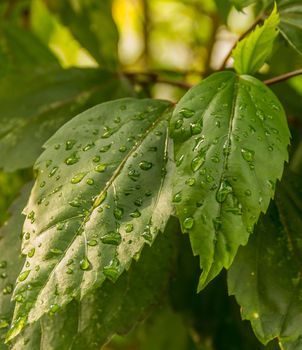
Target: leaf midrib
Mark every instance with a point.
(108, 184)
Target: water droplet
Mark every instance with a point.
(134, 175)
(88, 147)
(118, 213)
(129, 228)
(8, 289)
(188, 223)
(186, 113)
(100, 168)
(23, 275)
(215, 159)
(3, 264)
(191, 181)
(177, 197)
(144, 165)
(96, 159)
(85, 264)
(178, 123)
(53, 309)
(180, 160)
(70, 144)
(247, 154)
(75, 203)
(135, 214)
(105, 148)
(223, 191)
(197, 162)
(90, 181)
(247, 192)
(92, 242)
(56, 251)
(112, 237)
(196, 128)
(3, 275)
(111, 271)
(72, 159)
(78, 178)
(31, 253)
(42, 184)
(123, 149)
(270, 148)
(147, 234)
(53, 171)
(31, 216)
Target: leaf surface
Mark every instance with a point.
(10, 261)
(225, 130)
(110, 309)
(291, 23)
(46, 99)
(266, 274)
(100, 195)
(92, 25)
(252, 52)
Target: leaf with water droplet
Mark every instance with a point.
(97, 213)
(231, 165)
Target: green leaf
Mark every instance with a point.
(92, 25)
(228, 131)
(252, 52)
(23, 50)
(35, 104)
(100, 195)
(291, 23)
(10, 262)
(112, 308)
(266, 274)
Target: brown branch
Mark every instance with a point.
(150, 77)
(283, 77)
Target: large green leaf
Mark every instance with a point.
(291, 23)
(100, 195)
(91, 23)
(266, 274)
(112, 308)
(10, 262)
(252, 52)
(231, 140)
(35, 104)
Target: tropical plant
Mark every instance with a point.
(128, 154)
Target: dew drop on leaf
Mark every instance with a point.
(247, 154)
(100, 168)
(188, 223)
(111, 271)
(177, 197)
(90, 181)
(186, 112)
(197, 162)
(112, 237)
(23, 275)
(118, 213)
(78, 178)
(129, 228)
(144, 165)
(85, 264)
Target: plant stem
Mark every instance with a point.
(283, 77)
(151, 77)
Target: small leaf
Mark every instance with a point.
(63, 217)
(252, 52)
(266, 274)
(47, 98)
(224, 178)
(10, 262)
